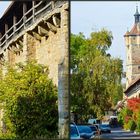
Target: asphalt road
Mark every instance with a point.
(119, 134)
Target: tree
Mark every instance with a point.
(96, 76)
(76, 43)
(101, 39)
(29, 101)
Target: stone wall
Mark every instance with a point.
(132, 58)
(47, 48)
(49, 53)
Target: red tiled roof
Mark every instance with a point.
(134, 31)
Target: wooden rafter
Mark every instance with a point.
(56, 21)
(51, 27)
(42, 31)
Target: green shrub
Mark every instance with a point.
(120, 119)
(124, 117)
(131, 125)
(29, 101)
(138, 122)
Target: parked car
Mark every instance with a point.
(85, 132)
(74, 132)
(105, 128)
(94, 121)
(94, 129)
(98, 128)
(113, 121)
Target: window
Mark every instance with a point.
(127, 46)
(133, 38)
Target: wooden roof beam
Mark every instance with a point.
(51, 27)
(56, 21)
(42, 31)
(36, 35)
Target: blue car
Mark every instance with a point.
(74, 133)
(94, 129)
(85, 132)
(105, 128)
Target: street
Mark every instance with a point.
(119, 134)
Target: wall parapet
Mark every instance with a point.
(30, 15)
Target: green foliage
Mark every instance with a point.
(96, 77)
(132, 125)
(121, 116)
(138, 122)
(101, 39)
(28, 98)
(77, 41)
(120, 120)
(126, 119)
(126, 114)
(129, 116)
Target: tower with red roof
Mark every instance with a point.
(132, 42)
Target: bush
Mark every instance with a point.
(124, 116)
(29, 101)
(120, 119)
(138, 122)
(131, 125)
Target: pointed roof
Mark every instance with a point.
(137, 15)
(135, 30)
(137, 11)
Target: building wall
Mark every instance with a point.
(128, 61)
(134, 94)
(49, 50)
(133, 58)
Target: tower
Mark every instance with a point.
(132, 42)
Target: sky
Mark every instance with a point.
(117, 17)
(3, 6)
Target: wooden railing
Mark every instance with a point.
(36, 11)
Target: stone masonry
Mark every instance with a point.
(45, 47)
(132, 41)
